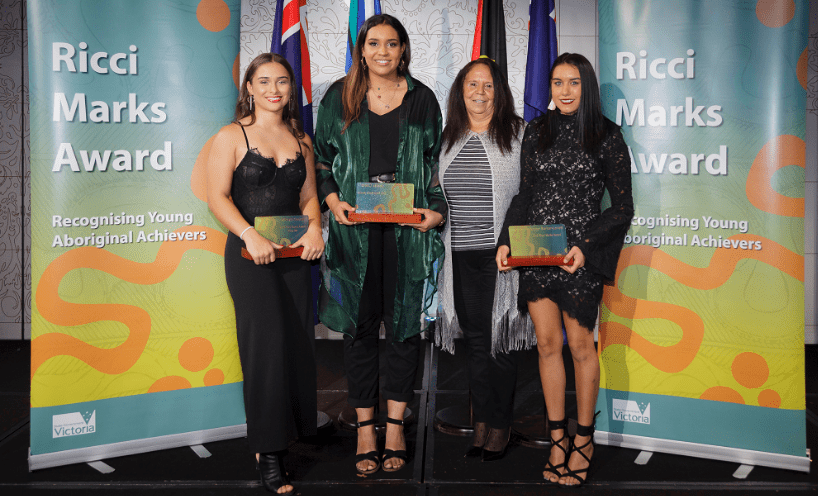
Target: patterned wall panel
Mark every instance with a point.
(13, 150)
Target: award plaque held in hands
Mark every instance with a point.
(385, 202)
(281, 230)
(537, 245)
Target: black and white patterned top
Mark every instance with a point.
(468, 187)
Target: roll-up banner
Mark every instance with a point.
(702, 338)
(133, 334)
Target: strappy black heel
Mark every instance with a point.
(399, 454)
(555, 425)
(372, 456)
(581, 474)
(272, 473)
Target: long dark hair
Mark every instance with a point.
(290, 114)
(590, 120)
(356, 82)
(505, 124)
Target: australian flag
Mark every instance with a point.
(359, 11)
(542, 51)
(290, 41)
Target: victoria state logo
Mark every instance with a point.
(73, 424)
(631, 411)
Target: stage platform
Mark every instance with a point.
(325, 465)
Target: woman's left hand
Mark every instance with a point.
(431, 219)
(579, 260)
(313, 244)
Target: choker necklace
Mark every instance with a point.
(376, 90)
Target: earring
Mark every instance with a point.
(401, 64)
(552, 105)
(363, 63)
(251, 103)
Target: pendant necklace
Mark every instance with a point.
(387, 105)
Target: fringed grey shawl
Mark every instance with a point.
(510, 329)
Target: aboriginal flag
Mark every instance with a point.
(542, 51)
(290, 41)
(490, 33)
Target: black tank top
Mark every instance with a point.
(383, 142)
(262, 188)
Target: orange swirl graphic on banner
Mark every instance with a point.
(57, 311)
(777, 153)
(677, 357)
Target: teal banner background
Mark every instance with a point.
(131, 317)
(705, 325)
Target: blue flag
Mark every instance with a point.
(359, 11)
(290, 41)
(542, 51)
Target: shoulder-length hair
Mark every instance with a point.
(590, 120)
(290, 114)
(505, 124)
(356, 81)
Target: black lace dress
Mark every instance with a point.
(564, 185)
(272, 302)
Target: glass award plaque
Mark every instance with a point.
(385, 202)
(537, 245)
(282, 230)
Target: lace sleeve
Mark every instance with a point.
(518, 209)
(604, 238)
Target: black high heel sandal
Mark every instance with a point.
(399, 454)
(493, 449)
(372, 456)
(481, 433)
(582, 430)
(272, 473)
(550, 467)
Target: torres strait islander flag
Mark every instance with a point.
(542, 51)
(490, 33)
(359, 11)
(290, 41)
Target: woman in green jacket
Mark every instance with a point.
(378, 124)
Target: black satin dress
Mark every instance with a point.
(276, 337)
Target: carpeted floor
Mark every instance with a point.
(324, 465)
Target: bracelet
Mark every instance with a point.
(241, 236)
(441, 222)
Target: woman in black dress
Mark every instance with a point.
(569, 156)
(262, 164)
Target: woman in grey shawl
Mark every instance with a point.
(480, 174)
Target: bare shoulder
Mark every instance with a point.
(229, 136)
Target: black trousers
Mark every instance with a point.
(361, 354)
(491, 379)
(276, 340)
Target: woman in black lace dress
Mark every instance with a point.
(569, 157)
(262, 164)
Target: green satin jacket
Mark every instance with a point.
(342, 160)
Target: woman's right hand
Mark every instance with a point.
(340, 209)
(260, 248)
(502, 258)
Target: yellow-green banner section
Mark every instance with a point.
(701, 339)
(133, 333)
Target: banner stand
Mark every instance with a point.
(107, 451)
(743, 456)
